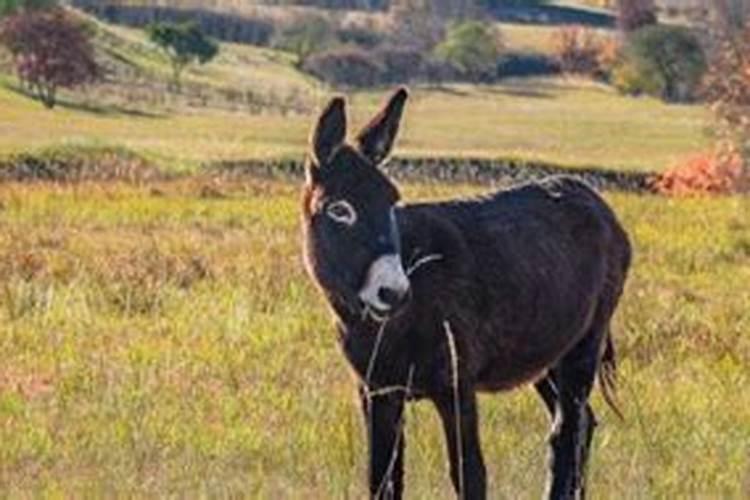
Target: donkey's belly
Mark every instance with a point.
(515, 356)
(501, 376)
(505, 373)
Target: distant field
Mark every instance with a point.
(163, 340)
(565, 122)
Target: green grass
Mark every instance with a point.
(159, 342)
(567, 122)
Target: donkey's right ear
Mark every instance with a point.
(330, 131)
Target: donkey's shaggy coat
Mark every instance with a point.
(525, 280)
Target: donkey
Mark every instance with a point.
(438, 301)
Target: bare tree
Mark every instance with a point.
(635, 14)
(416, 24)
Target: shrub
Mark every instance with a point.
(305, 36)
(579, 50)
(704, 174)
(631, 79)
(51, 50)
(349, 67)
(473, 48)
(665, 61)
(400, 65)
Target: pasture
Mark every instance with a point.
(157, 340)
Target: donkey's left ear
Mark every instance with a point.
(376, 140)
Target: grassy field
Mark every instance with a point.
(159, 341)
(162, 339)
(565, 122)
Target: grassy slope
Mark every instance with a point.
(568, 123)
(237, 66)
(159, 343)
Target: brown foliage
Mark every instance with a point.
(704, 174)
(50, 50)
(581, 50)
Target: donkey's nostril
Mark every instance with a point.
(390, 297)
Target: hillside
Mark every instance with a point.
(242, 77)
(253, 103)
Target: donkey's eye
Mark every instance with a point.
(342, 211)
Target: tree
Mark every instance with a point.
(183, 44)
(635, 14)
(668, 61)
(471, 47)
(727, 83)
(51, 49)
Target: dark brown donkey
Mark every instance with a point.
(441, 300)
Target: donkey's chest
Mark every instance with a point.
(394, 364)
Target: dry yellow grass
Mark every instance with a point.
(164, 340)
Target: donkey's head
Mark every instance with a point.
(351, 232)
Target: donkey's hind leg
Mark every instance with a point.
(565, 392)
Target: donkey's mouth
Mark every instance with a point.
(378, 315)
(381, 313)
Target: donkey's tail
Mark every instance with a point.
(608, 376)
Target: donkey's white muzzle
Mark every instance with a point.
(386, 284)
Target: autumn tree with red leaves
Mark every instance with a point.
(51, 50)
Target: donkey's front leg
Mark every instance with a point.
(464, 449)
(385, 435)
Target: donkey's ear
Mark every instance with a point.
(377, 138)
(330, 131)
